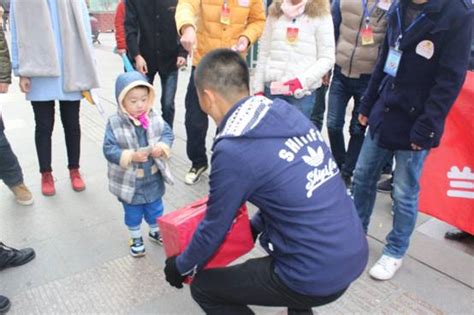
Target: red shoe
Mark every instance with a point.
(47, 184)
(76, 180)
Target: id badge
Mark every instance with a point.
(292, 35)
(393, 62)
(367, 36)
(225, 15)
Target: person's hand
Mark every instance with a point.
(363, 120)
(180, 62)
(140, 64)
(4, 87)
(327, 79)
(242, 44)
(416, 147)
(25, 84)
(121, 51)
(140, 156)
(188, 38)
(173, 277)
(157, 152)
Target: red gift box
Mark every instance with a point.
(177, 229)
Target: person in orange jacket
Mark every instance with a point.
(230, 24)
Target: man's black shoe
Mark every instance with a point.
(385, 186)
(10, 257)
(4, 304)
(457, 235)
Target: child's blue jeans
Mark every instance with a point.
(135, 213)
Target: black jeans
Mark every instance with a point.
(317, 116)
(196, 123)
(169, 83)
(10, 170)
(44, 119)
(228, 291)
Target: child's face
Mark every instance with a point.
(136, 101)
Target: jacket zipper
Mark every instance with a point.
(356, 44)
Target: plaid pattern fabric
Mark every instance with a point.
(121, 180)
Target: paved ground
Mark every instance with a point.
(83, 266)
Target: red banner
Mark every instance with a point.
(447, 182)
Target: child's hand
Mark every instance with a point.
(4, 87)
(140, 156)
(25, 84)
(157, 152)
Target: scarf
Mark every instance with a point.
(291, 10)
(37, 53)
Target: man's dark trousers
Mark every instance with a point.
(229, 290)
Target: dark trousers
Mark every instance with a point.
(196, 123)
(229, 291)
(10, 170)
(44, 119)
(342, 90)
(317, 116)
(169, 84)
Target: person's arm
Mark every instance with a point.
(231, 183)
(187, 12)
(263, 55)
(255, 22)
(336, 17)
(113, 152)
(131, 28)
(5, 65)
(120, 26)
(326, 57)
(450, 76)
(166, 140)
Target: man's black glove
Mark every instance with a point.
(255, 233)
(172, 274)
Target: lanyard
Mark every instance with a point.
(400, 26)
(367, 12)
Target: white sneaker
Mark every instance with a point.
(194, 174)
(385, 268)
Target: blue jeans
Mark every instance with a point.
(10, 170)
(317, 116)
(196, 123)
(341, 91)
(135, 213)
(169, 84)
(304, 104)
(408, 167)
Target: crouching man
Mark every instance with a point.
(270, 154)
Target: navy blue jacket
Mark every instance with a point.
(412, 107)
(274, 157)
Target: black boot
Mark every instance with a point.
(4, 304)
(10, 257)
(457, 235)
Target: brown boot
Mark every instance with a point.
(22, 194)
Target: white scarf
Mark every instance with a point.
(293, 10)
(36, 44)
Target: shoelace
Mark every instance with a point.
(385, 262)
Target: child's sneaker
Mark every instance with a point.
(155, 237)
(137, 247)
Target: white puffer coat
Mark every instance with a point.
(308, 59)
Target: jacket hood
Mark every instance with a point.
(314, 8)
(258, 117)
(127, 81)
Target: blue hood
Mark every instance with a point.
(127, 81)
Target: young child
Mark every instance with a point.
(136, 145)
